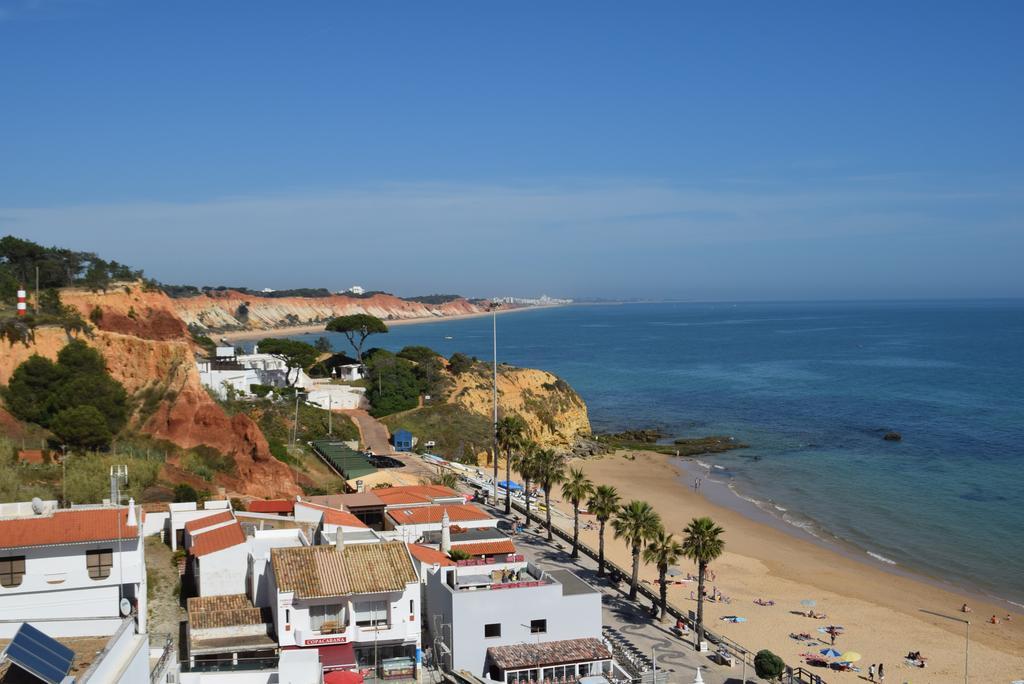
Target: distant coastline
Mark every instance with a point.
(291, 331)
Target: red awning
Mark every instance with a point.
(343, 677)
(340, 655)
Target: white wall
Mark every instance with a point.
(222, 572)
(568, 617)
(124, 660)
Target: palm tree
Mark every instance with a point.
(526, 464)
(576, 489)
(703, 543)
(604, 502)
(511, 431)
(663, 550)
(550, 471)
(446, 478)
(636, 523)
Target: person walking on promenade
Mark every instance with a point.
(881, 673)
(871, 673)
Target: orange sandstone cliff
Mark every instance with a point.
(146, 347)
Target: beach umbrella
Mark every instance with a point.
(830, 653)
(809, 603)
(852, 656)
(513, 486)
(674, 571)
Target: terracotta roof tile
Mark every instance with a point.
(68, 526)
(271, 506)
(517, 656)
(206, 612)
(414, 494)
(487, 548)
(418, 515)
(425, 554)
(343, 518)
(193, 526)
(217, 539)
(322, 571)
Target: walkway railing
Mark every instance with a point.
(736, 650)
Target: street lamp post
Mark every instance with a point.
(967, 637)
(494, 401)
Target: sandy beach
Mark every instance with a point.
(249, 335)
(882, 612)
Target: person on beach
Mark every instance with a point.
(994, 620)
(832, 636)
(871, 673)
(881, 673)
(965, 608)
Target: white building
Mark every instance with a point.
(260, 546)
(66, 571)
(358, 605)
(180, 514)
(219, 560)
(505, 604)
(410, 523)
(356, 290)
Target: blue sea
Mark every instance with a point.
(812, 388)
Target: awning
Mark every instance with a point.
(336, 656)
(343, 677)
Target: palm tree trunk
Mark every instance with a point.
(600, 551)
(636, 573)
(547, 504)
(508, 482)
(701, 566)
(526, 484)
(664, 591)
(576, 529)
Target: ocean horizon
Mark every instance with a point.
(811, 387)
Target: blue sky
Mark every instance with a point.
(708, 151)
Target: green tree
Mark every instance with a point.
(295, 355)
(576, 488)
(550, 471)
(525, 462)
(49, 302)
(82, 427)
(17, 329)
(511, 433)
(78, 358)
(322, 345)
(98, 390)
(446, 478)
(459, 363)
(357, 328)
(662, 551)
(184, 492)
(392, 385)
(636, 523)
(604, 503)
(702, 544)
(769, 666)
(28, 393)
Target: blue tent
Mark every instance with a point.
(513, 486)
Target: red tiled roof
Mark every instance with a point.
(486, 548)
(518, 656)
(418, 515)
(31, 456)
(271, 506)
(67, 527)
(217, 539)
(414, 494)
(343, 518)
(193, 526)
(425, 554)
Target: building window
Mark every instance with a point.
(12, 569)
(99, 563)
(492, 630)
(371, 613)
(412, 607)
(538, 626)
(327, 618)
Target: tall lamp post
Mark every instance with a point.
(967, 636)
(494, 399)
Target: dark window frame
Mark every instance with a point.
(10, 574)
(95, 565)
(539, 626)
(488, 628)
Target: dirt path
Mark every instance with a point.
(372, 433)
(165, 612)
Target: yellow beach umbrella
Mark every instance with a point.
(851, 656)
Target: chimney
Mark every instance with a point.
(132, 519)
(446, 532)
(339, 540)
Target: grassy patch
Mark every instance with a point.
(459, 433)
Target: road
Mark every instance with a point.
(372, 433)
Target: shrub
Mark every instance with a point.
(768, 666)
(458, 555)
(460, 363)
(96, 315)
(185, 492)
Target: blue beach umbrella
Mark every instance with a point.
(830, 653)
(808, 602)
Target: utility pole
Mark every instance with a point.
(494, 398)
(37, 290)
(295, 425)
(330, 414)
(967, 638)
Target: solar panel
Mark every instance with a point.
(40, 655)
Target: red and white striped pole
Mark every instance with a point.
(22, 305)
